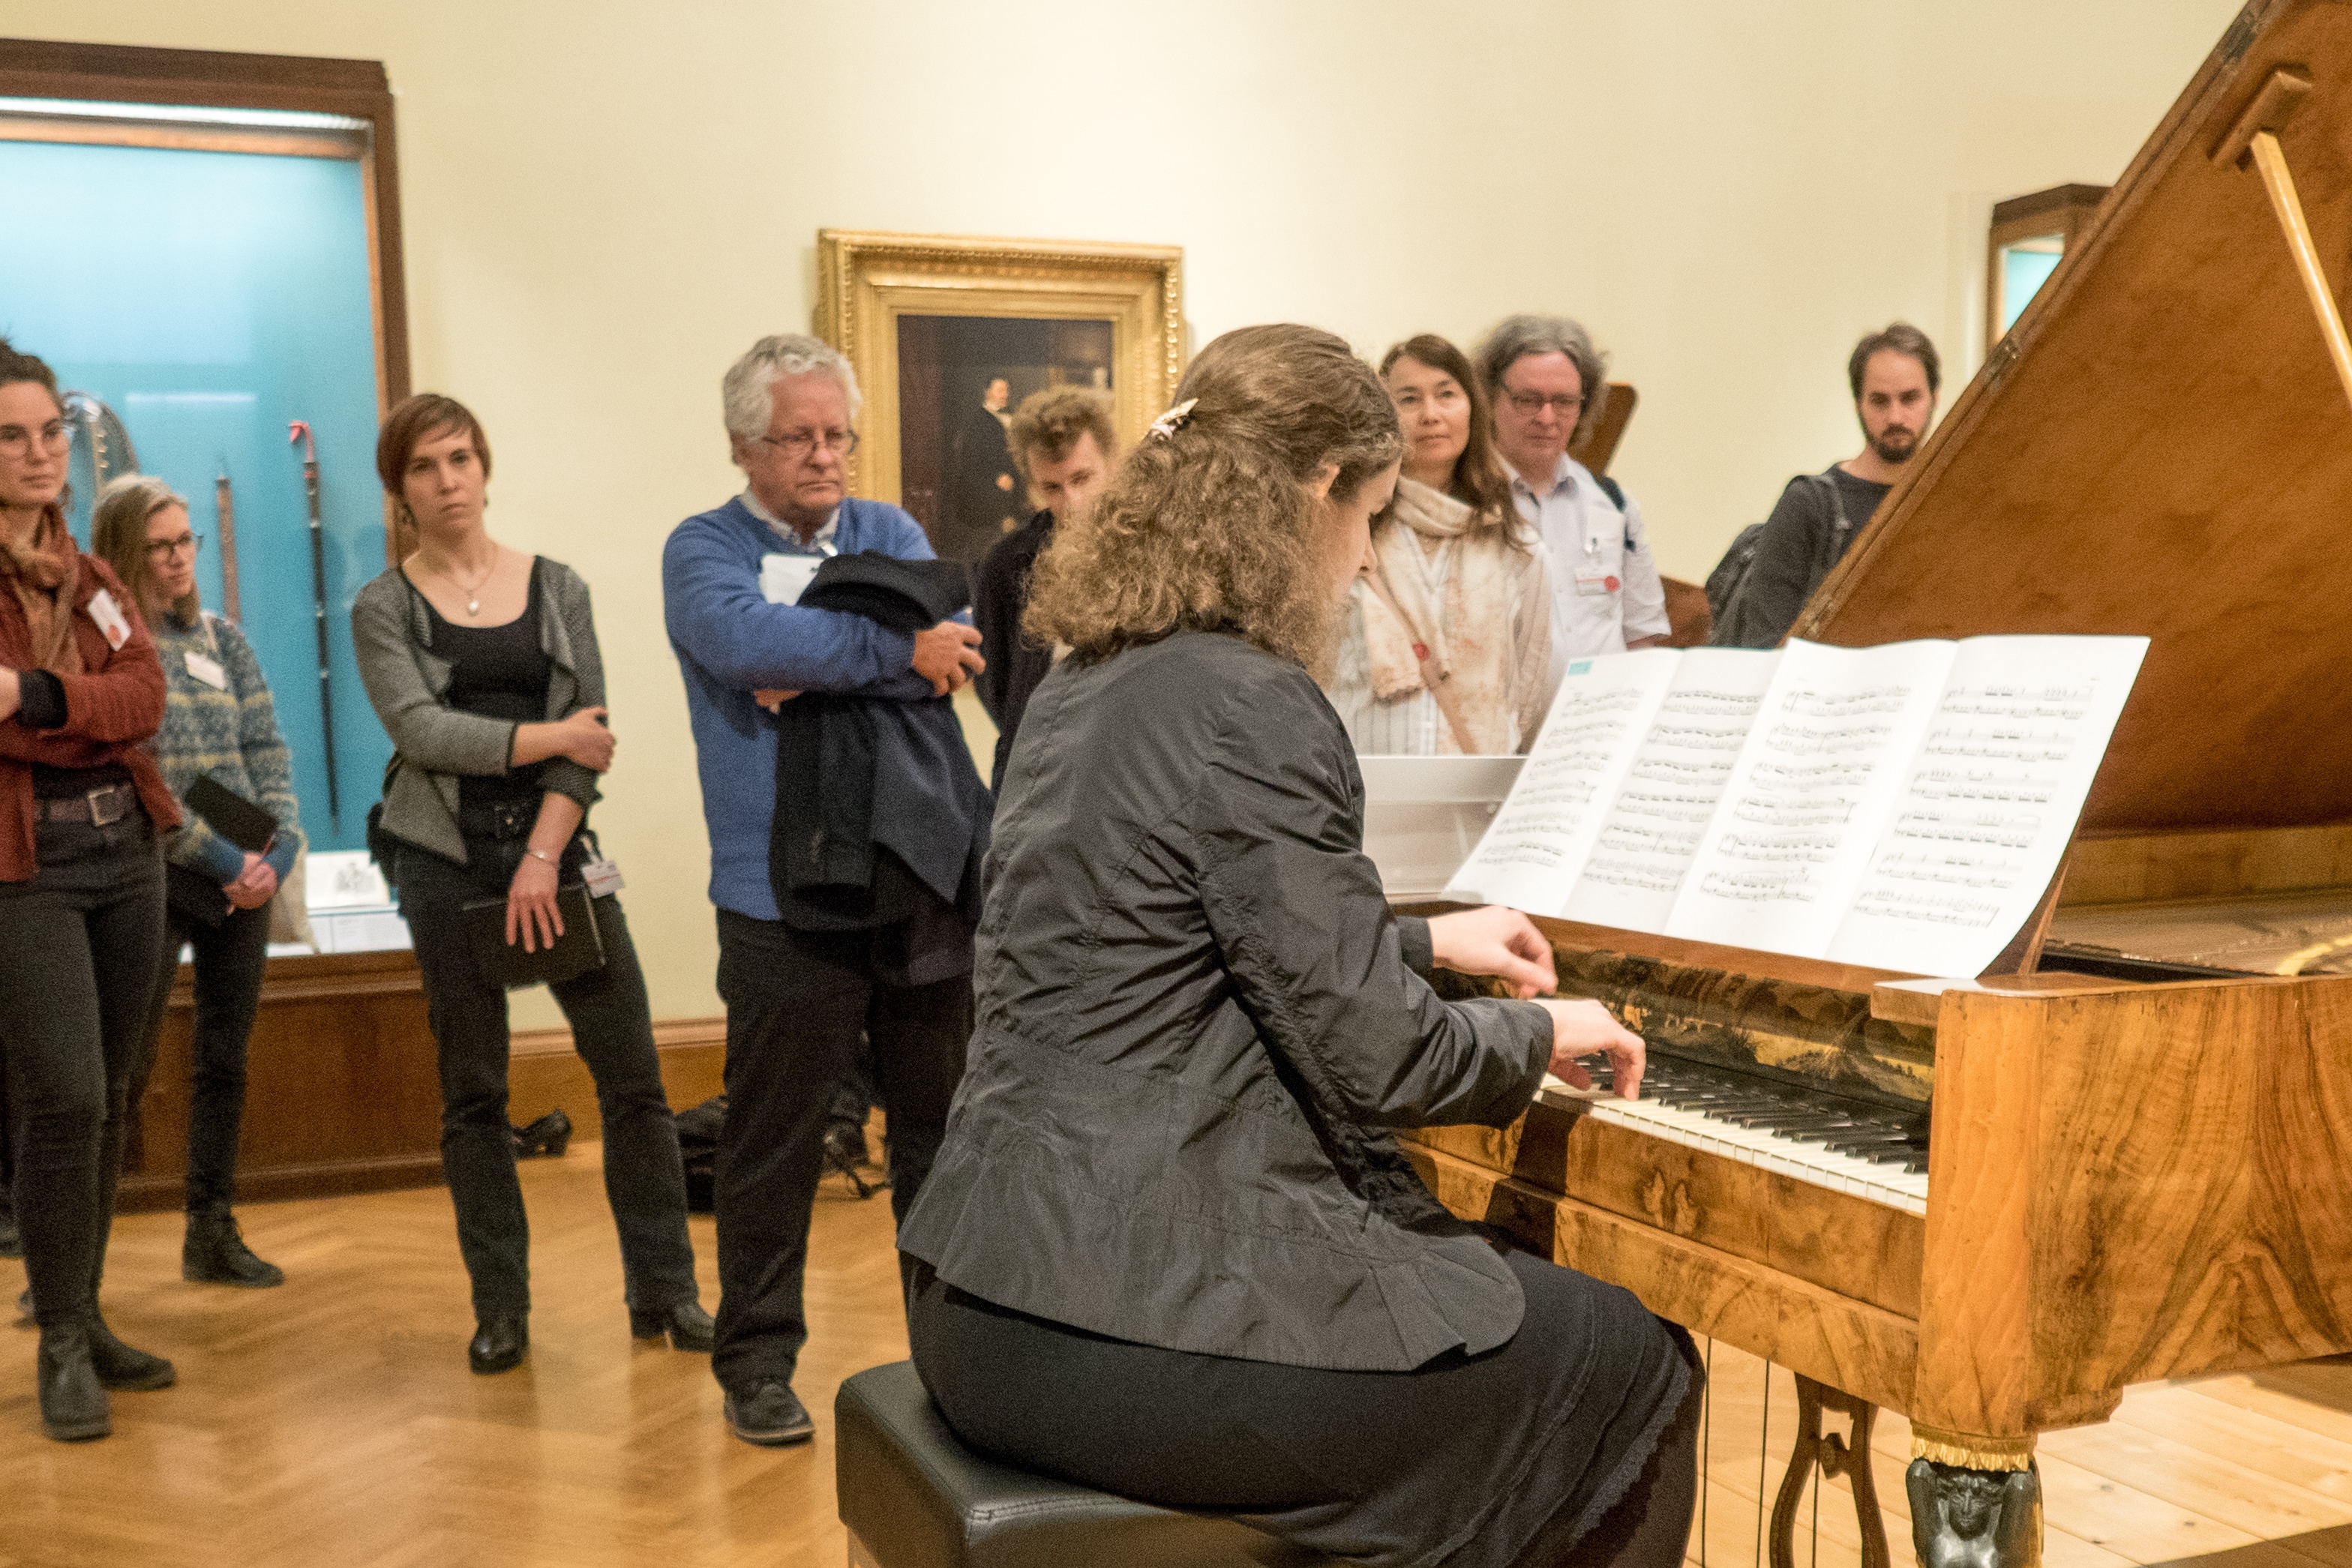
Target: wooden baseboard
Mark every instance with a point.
(544, 1073)
(343, 1095)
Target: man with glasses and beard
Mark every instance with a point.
(1894, 375)
(1543, 375)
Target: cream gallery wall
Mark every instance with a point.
(605, 203)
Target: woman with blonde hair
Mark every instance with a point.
(1448, 645)
(1170, 1247)
(218, 723)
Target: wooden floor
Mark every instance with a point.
(333, 1422)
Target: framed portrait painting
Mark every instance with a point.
(949, 335)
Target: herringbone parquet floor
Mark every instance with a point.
(332, 1422)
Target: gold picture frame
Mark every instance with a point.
(867, 284)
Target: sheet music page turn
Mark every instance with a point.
(1537, 842)
(1652, 830)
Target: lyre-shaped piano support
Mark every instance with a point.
(2253, 140)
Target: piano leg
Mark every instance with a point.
(1974, 1508)
(1833, 1456)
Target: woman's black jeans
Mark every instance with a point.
(78, 947)
(230, 960)
(612, 1027)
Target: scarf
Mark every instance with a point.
(1418, 630)
(44, 570)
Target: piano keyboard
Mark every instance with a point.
(1847, 1145)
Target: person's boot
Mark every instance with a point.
(121, 1367)
(551, 1135)
(498, 1343)
(215, 1253)
(73, 1402)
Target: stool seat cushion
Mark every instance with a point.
(914, 1496)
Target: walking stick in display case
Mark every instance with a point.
(299, 433)
(224, 504)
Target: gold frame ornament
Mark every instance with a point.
(867, 281)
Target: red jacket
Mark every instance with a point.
(112, 710)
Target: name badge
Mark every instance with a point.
(783, 578)
(109, 616)
(208, 671)
(603, 877)
(1591, 582)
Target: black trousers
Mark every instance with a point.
(612, 1029)
(797, 1002)
(230, 958)
(78, 947)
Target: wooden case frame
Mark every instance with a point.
(866, 282)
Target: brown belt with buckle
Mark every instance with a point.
(98, 808)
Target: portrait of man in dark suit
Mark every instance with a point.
(986, 498)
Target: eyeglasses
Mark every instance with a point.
(163, 547)
(1565, 405)
(16, 441)
(803, 443)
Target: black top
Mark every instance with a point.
(501, 673)
(1197, 1020)
(1015, 664)
(1800, 543)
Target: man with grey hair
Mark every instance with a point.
(891, 959)
(1543, 374)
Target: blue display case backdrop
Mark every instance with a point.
(209, 298)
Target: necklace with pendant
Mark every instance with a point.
(473, 590)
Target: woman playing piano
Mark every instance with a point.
(1170, 1249)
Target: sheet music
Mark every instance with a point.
(1537, 842)
(1821, 772)
(1990, 803)
(1651, 832)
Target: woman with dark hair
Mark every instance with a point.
(1448, 642)
(482, 663)
(1170, 1247)
(81, 896)
(218, 723)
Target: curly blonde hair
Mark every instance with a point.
(1212, 526)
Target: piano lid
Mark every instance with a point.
(2160, 446)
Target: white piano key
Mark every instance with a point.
(1791, 1158)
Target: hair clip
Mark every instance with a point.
(1168, 423)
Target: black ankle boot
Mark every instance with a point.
(215, 1254)
(73, 1402)
(121, 1367)
(498, 1343)
(550, 1135)
(687, 1325)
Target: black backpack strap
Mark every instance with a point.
(1611, 488)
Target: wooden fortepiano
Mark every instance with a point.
(2134, 1174)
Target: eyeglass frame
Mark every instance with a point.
(804, 444)
(157, 549)
(1562, 405)
(16, 442)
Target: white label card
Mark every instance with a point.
(109, 616)
(784, 578)
(208, 671)
(603, 877)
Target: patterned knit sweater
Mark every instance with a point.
(231, 734)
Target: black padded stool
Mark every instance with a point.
(914, 1497)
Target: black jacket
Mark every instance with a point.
(1015, 664)
(857, 776)
(1198, 1021)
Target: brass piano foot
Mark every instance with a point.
(1835, 1456)
(1963, 1516)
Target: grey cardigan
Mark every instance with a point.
(1198, 1024)
(433, 745)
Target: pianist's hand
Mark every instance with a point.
(1585, 1028)
(1494, 941)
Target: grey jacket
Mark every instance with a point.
(1197, 1020)
(435, 745)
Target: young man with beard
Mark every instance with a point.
(1894, 375)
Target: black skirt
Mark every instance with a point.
(1458, 1462)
